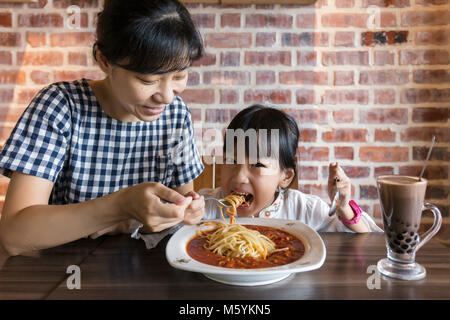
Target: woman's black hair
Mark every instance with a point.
(148, 36)
(259, 117)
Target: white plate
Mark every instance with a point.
(313, 258)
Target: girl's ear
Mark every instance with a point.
(287, 175)
(102, 61)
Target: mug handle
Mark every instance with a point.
(434, 228)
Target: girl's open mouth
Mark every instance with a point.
(248, 198)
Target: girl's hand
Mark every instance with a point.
(338, 180)
(143, 203)
(195, 211)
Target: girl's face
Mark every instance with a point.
(258, 179)
(144, 96)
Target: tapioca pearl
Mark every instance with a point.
(413, 244)
(409, 251)
(392, 245)
(404, 231)
(408, 240)
(404, 246)
(411, 233)
(396, 242)
(399, 237)
(400, 251)
(415, 237)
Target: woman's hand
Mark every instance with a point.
(195, 211)
(338, 180)
(143, 202)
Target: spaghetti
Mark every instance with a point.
(235, 240)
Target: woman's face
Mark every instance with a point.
(143, 97)
(259, 179)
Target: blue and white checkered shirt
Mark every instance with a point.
(64, 136)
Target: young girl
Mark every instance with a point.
(265, 178)
(88, 156)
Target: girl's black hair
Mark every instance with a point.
(148, 36)
(259, 117)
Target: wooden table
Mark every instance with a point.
(118, 267)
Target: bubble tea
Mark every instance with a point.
(402, 203)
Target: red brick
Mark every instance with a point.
(304, 77)
(439, 153)
(265, 77)
(344, 3)
(385, 170)
(10, 39)
(426, 134)
(425, 95)
(382, 58)
(40, 77)
(421, 57)
(228, 40)
(356, 172)
(5, 19)
(268, 58)
(368, 192)
(8, 114)
(418, 18)
(308, 173)
(276, 96)
(431, 172)
(344, 78)
(313, 153)
(266, 39)
(229, 59)
(304, 39)
(346, 153)
(317, 190)
(306, 20)
(12, 77)
(226, 77)
(345, 97)
(344, 39)
(308, 115)
(5, 57)
(72, 39)
(208, 59)
(70, 75)
(232, 20)
(306, 58)
(386, 3)
(193, 78)
(430, 114)
(432, 76)
(268, 21)
(343, 115)
(433, 37)
(305, 96)
(308, 135)
(36, 39)
(80, 3)
(383, 154)
(204, 20)
(345, 135)
(36, 58)
(384, 135)
(332, 58)
(431, 2)
(384, 116)
(384, 96)
(220, 115)
(229, 96)
(78, 58)
(203, 96)
(344, 20)
(384, 77)
(40, 20)
(388, 19)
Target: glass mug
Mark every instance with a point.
(402, 204)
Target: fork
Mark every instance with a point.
(222, 203)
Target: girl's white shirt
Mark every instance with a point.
(293, 205)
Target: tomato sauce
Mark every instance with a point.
(282, 239)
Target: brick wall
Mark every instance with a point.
(367, 80)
